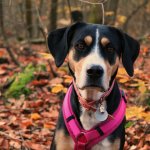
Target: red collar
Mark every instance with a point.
(89, 105)
(85, 139)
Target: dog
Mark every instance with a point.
(94, 53)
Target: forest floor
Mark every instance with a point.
(30, 99)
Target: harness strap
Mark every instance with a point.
(85, 139)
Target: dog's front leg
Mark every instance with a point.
(63, 141)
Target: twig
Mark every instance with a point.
(12, 56)
(100, 2)
(10, 3)
(93, 3)
(44, 29)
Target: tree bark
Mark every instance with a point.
(111, 6)
(1, 17)
(28, 4)
(53, 15)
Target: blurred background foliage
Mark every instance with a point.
(23, 19)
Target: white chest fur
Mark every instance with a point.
(88, 120)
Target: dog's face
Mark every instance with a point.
(94, 53)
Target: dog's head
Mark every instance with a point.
(94, 53)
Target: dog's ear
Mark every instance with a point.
(59, 42)
(130, 51)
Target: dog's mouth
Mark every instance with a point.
(92, 86)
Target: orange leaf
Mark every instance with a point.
(35, 116)
(41, 82)
(68, 79)
(124, 80)
(49, 125)
(26, 123)
(58, 88)
(1, 53)
(122, 71)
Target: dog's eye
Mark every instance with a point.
(110, 49)
(80, 46)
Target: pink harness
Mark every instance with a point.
(85, 139)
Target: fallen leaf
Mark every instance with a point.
(41, 82)
(55, 81)
(15, 144)
(138, 112)
(26, 123)
(50, 125)
(123, 80)
(46, 55)
(34, 146)
(57, 88)
(2, 123)
(35, 116)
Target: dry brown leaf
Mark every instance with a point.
(2, 122)
(34, 146)
(15, 144)
(50, 125)
(26, 123)
(55, 81)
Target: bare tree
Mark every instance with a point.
(111, 6)
(125, 26)
(53, 15)
(1, 17)
(28, 4)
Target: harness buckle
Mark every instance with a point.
(82, 138)
(81, 142)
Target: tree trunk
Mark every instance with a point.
(125, 26)
(1, 18)
(28, 4)
(112, 7)
(53, 15)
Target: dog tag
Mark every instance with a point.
(101, 116)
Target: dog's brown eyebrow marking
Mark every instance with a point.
(104, 41)
(88, 40)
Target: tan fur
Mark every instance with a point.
(111, 69)
(63, 142)
(75, 66)
(88, 40)
(104, 41)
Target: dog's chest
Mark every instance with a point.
(88, 121)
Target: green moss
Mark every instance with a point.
(18, 87)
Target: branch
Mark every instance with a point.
(133, 13)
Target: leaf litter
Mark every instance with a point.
(29, 122)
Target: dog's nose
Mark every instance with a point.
(95, 71)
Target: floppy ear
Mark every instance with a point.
(59, 42)
(130, 52)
